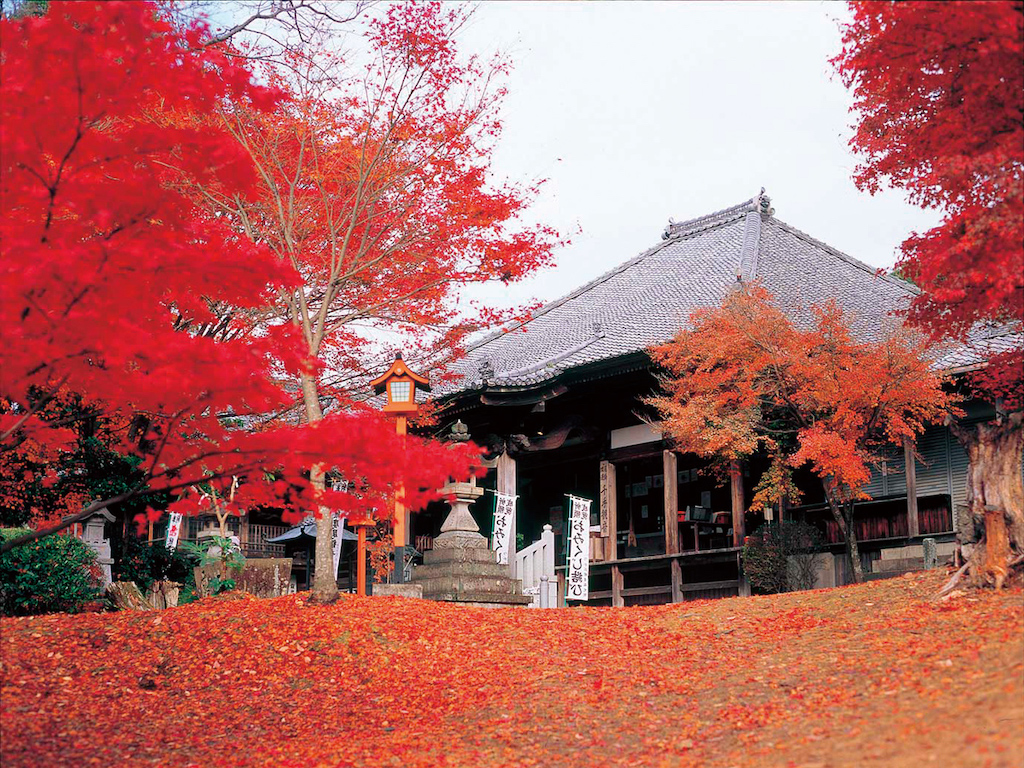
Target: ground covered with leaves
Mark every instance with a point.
(881, 674)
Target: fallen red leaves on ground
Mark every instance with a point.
(879, 674)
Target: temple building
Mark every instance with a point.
(557, 402)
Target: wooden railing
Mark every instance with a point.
(255, 544)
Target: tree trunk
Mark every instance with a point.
(325, 583)
(842, 513)
(852, 550)
(994, 524)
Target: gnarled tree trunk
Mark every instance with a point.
(994, 525)
(842, 513)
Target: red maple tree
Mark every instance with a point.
(110, 268)
(937, 91)
(373, 187)
(742, 380)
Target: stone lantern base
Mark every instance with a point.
(461, 568)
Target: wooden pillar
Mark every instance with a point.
(617, 581)
(910, 467)
(609, 510)
(401, 428)
(506, 483)
(677, 581)
(739, 525)
(361, 560)
(669, 465)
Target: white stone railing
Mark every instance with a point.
(535, 567)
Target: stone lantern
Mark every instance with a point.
(461, 568)
(93, 535)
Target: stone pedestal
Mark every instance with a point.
(461, 568)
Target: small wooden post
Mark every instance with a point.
(910, 467)
(739, 524)
(609, 510)
(617, 581)
(669, 465)
(361, 560)
(677, 581)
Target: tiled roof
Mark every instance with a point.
(647, 300)
(982, 345)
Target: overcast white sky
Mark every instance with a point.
(635, 112)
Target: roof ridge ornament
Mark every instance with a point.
(486, 371)
(692, 226)
(764, 204)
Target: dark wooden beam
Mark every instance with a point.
(910, 467)
(609, 510)
(677, 582)
(617, 580)
(739, 526)
(671, 486)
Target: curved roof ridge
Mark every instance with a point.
(595, 282)
(751, 246)
(909, 287)
(682, 228)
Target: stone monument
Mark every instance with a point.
(92, 534)
(461, 568)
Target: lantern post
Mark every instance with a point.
(400, 384)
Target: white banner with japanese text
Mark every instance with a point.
(337, 536)
(338, 524)
(504, 519)
(173, 530)
(577, 583)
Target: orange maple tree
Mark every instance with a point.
(940, 114)
(742, 379)
(110, 268)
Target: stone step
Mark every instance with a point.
(430, 570)
(461, 584)
(459, 555)
(482, 599)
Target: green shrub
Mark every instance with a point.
(54, 574)
(782, 558)
(222, 552)
(145, 563)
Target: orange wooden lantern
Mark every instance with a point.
(400, 383)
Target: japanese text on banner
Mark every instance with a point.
(504, 517)
(338, 525)
(578, 577)
(173, 530)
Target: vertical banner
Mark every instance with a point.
(577, 584)
(504, 514)
(173, 530)
(338, 525)
(337, 536)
